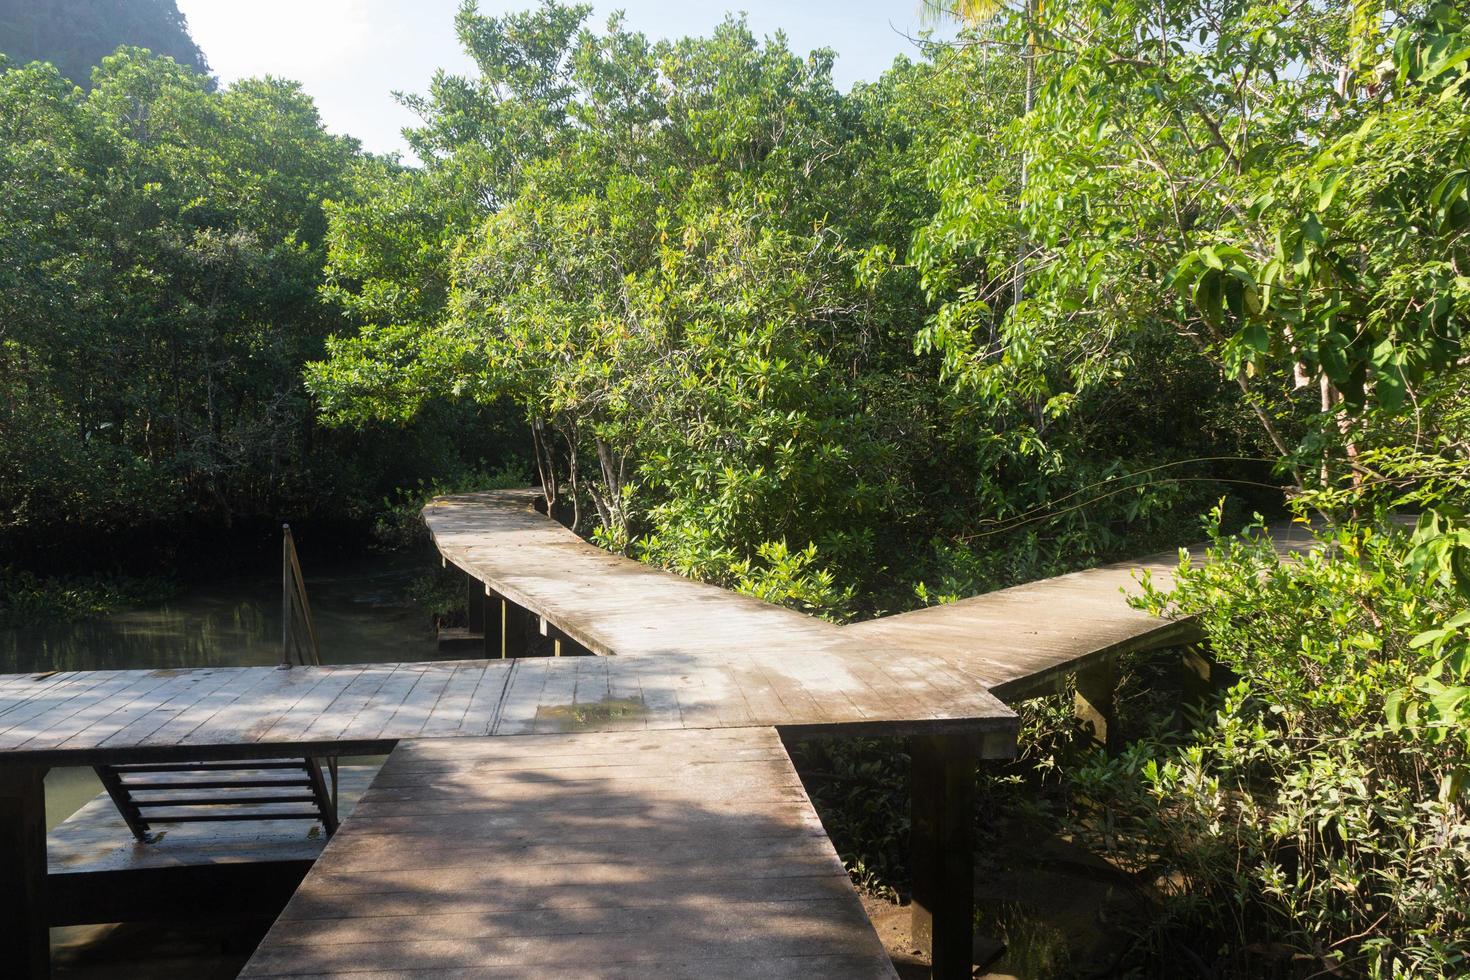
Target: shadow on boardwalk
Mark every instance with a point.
(630, 854)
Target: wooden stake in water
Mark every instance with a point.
(295, 609)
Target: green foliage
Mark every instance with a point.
(1295, 815)
(159, 289)
(161, 259)
(680, 260)
(1022, 305)
(1252, 180)
(27, 598)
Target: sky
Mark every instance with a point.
(351, 55)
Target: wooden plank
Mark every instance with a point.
(138, 704)
(370, 721)
(255, 694)
(17, 690)
(240, 682)
(483, 713)
(448, 713)
(419, 703)
(98, 702)
(292, 722)
(641, 852)
(332, 722)
(18, 722)
(322, 898)
(521, 697)
(832, 691)
(197, 688)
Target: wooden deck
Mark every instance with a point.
(609, 604)
(691, 854)
(1015, 640)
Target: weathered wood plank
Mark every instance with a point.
(448, 713)
(686, 848)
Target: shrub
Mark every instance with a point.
(1298, 831)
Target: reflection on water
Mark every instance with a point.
(360, 617)
(359, 614)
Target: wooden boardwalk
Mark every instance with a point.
(1020, 641)
(629, 814)
(693, 854)
(607, 603)
(1014, 640)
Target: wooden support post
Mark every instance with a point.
(1093, 703)
(520, 630)
(563, 645)
(25, 946)
(942, 913)
(1200, 679)
(474, 604)
(494, 606)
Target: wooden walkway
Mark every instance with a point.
(599, 855)
(629, 814)
(90, 717)
(604, 602)
(1019, 642)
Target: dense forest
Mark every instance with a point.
(164, 244)
(1094, 279)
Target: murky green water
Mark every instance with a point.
(360, 617)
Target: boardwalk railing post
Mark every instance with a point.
(1093, 704)
(295, 609)
(25, 949)
(287, 618)
(941, 844)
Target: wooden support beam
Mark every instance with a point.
(1201, 678)
(494, 605)
(224, 890)
(25, 947)
(520, 630)
(474, 604)
(561, 644)
(941, 844)
(1093, 703)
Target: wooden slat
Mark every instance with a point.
(448, 713)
